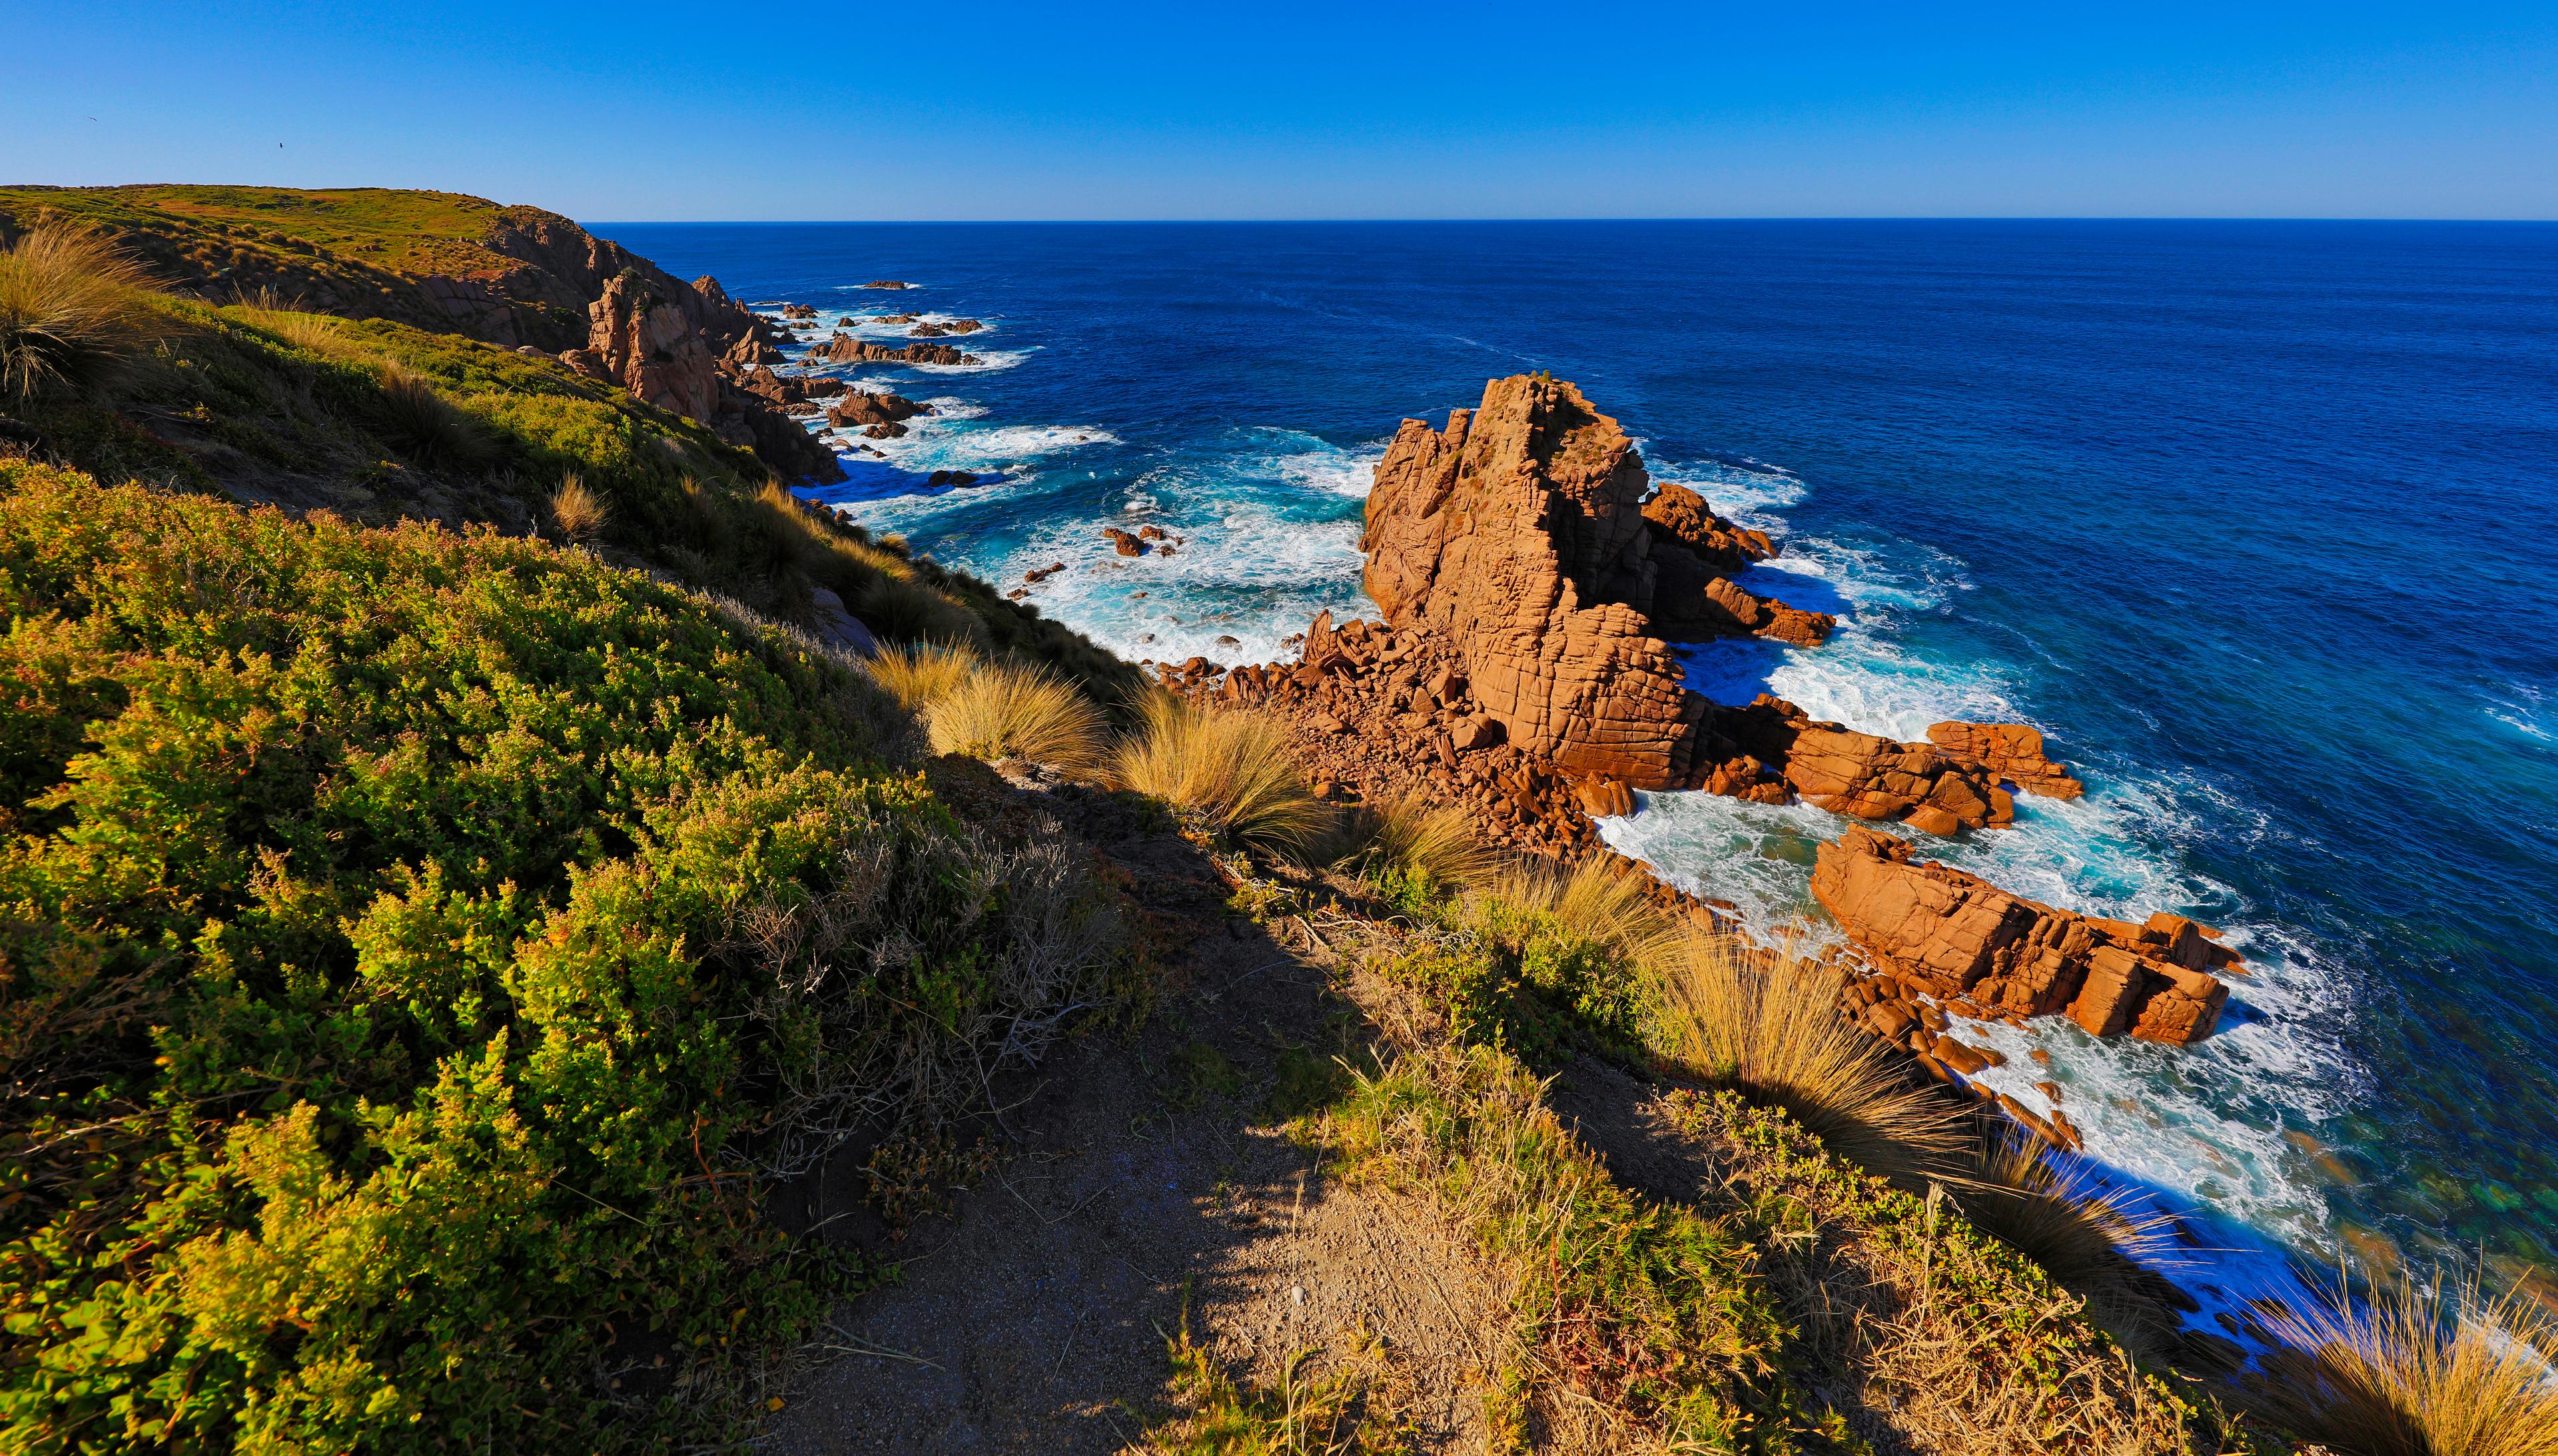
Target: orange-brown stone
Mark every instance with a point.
(1956, 934)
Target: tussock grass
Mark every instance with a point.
(1002, 710)
(1768, 1024)
(419, 420)
(290, 320)
(74, 312)
(578, 511)
(1598, 899)
(1230, 768)
(922, 675)
(1415, 849)
(2410, 1369)
(911, 611)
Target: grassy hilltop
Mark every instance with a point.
(365, 248)
(482, 968)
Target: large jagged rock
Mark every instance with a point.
(1971, 944)
(1516, 533)
(1527, 535)
(650, 344)
(859, 407)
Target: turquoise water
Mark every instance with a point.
(2258, 522)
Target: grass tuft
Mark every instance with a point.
(919, 675)
(1600, 900)
(1002, 710)
(1415, 850)
(74, 312)
(2092, 1241)
(1768, 1024)
(2434, 1369)
(420, 422)
(1230, 768)
(579, 512)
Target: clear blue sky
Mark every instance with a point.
(920, 111)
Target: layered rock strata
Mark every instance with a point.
(1938, 932)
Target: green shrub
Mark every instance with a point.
(416, 951)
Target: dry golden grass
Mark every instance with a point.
(1230, 768)
(1002, 710)
(901, 609)
(578, 512)
(1600, 900)
(1411, 843)
(919, 675)
(289, 320)
(73, 310)
(1769, 1023)
(2434, 1369)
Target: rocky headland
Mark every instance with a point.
(1532, 581)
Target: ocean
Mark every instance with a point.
(2258, 521)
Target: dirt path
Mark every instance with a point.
(1142, 1180)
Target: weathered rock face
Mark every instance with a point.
(2009, 753)
(1868, 777)
(649, 344)
(1517, 534)
(1990, 952)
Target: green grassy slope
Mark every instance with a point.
(306, 411)
(358, 252)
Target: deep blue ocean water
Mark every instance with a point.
(2258, 522)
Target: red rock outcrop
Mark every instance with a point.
(649, 344)
(845, 349)
(860, 407)
(2009, 753)
(1517, 534)
(1987, 953)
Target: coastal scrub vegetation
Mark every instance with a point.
(419, 950)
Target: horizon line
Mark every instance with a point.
(1666, 218)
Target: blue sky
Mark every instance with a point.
(646, 111)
